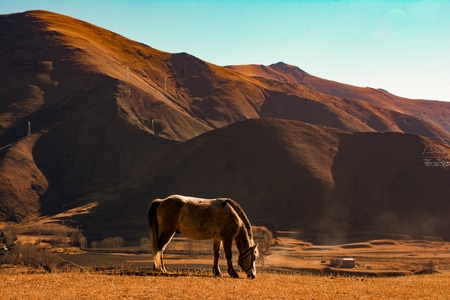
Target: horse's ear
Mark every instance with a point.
(255, 250)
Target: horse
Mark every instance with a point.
(221, 219)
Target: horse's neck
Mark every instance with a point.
(243, 241)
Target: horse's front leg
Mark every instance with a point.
(216, 250)
(228, 255)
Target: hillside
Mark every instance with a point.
(326, 183)
(116, 123)
(381, 110)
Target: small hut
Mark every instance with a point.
(348, 263)
(335, 263)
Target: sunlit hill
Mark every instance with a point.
(89, 118)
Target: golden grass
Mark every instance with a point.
(76, 285)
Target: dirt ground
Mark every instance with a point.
(287, 254)
(290, 255)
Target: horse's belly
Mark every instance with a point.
(197, 235)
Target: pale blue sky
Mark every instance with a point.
(400, 46)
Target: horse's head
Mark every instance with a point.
(247, 261)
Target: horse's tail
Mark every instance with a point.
(242, 215)
(154, 227)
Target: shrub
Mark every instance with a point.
(144, 244)
(75, 237)
(111, 242)
(9, 235)
(427, 268)
(83, 242)
(33, 256)
(7, 258)
(263, 237)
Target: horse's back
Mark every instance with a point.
(198, 218)
(177, 201)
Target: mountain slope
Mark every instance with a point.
(327, 183)
(118, 123)
(184, 96)
(397, 111)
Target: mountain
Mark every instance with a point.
(377, 108)
(115, 123)
(319, 180)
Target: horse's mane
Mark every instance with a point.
(242, 215)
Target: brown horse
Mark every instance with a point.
(221, 219)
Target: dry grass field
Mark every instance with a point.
(290, 269)
(79, 285)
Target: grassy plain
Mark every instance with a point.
(79, 285)
(290, 269)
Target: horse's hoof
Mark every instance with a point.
(233, 274)
(162, 271)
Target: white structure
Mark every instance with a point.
(348, 262)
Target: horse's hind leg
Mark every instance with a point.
(163, 240)
(228, 255)
(216, 250)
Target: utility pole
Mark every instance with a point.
(127, 87)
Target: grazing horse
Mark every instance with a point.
(221, 219)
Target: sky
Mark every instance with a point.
(400, 46)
